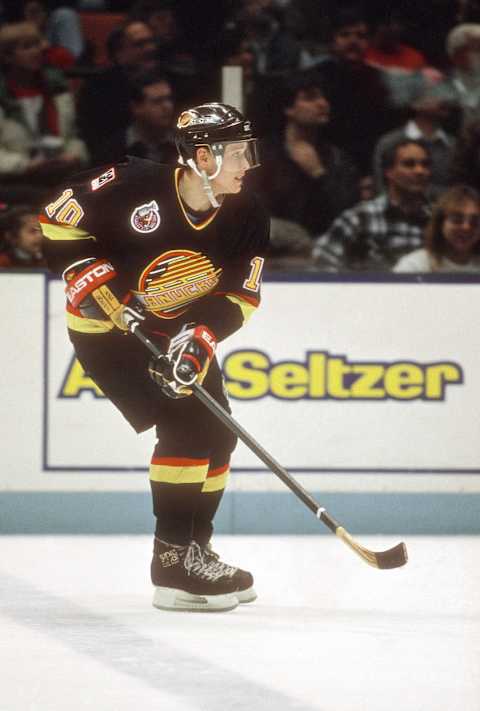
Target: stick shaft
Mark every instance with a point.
(263, 455)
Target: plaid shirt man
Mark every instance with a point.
(372, 236)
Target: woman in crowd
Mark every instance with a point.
(38, 141)
(452, 236)
(21, 239)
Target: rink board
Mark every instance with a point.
(358, 386)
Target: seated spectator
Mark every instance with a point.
(465, 164)
(275, 47)
(38, 141)
(55, 55)
(374, 234)
(426, 125)
(461, 86)
(172, 51)
(21, 239)
(104, 100)
(290, 247)
(304, 177)
(361, 108)
(387, 49)
(150, 133)
(452, 236)
(405, 70)
(59, 21)
(64, 28)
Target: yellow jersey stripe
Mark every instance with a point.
(246, 308)
(178, 475)
(64, 232)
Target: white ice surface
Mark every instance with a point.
(327, 633)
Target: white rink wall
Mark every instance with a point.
(366, 390)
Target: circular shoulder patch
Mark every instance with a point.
(145, 218)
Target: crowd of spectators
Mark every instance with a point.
(368, 114)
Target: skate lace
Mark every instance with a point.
(204, 566)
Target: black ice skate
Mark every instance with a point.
(244, 580)
(185, 578)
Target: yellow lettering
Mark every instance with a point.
(437, 377)
(251, 375)
(365, 386)
(404, 381)
(336, 371)
(316, 368)
(245, 374)
(77, 382)
(289, 381)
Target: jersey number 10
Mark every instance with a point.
(65, 209)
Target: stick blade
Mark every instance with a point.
(393, 558)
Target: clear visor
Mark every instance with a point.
(241, 155)
(238, 156)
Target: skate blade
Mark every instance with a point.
(245, 596)
(179, 600)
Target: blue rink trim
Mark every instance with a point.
(242, 513)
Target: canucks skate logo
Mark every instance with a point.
(145, 218)
(174, 280)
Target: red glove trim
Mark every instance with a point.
(195, 361)
(206, 338)
(86, 281)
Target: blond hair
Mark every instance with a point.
(460, 36)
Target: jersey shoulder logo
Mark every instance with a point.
(103, 179)
(145, 218)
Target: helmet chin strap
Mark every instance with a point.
(206, 179)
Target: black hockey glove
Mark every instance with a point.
(186, 361)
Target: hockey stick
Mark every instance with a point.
(392, 558)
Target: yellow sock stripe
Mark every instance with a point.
(178, 471)
(216, 479)
(246, 308)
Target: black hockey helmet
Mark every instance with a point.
(213, 125)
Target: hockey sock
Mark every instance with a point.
(209, 501)
(176, 485)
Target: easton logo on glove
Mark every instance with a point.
(79, 284)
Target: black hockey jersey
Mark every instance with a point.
(180, 268)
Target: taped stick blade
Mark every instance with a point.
(392, 558)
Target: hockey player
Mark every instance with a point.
(181, 250)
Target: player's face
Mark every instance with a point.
(237, 159)
(461, 227)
